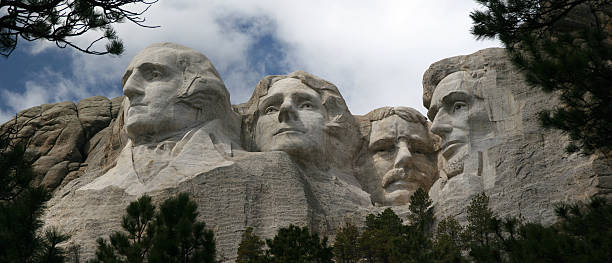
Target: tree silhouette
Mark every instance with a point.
(251, 248)
(172, 235)
(565, 47)
(60, 21)
(297, 244)
(346, 245)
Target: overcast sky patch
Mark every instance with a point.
(375, 51)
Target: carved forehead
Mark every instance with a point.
(289, 86)
(458, 84)
(393, 127)
(173, 55)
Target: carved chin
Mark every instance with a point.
(454, 165)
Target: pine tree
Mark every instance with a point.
(565, 47)
(480, 237)
(173, 234)
(297, 244)
(179, 237)
(448, 242)
(346, 245)
(421, 212)
(21, 206)
(383, 236)
(134, 245)
(251, 248)
(60, 21)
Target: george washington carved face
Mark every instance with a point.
(171, 88)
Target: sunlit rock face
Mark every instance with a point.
(307, 118)
(294, 153)
(303, 115)
(178, 121)
(491, 141)
(176, 132)
(399, 155)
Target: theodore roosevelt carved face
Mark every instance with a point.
(171, 88)
(402, 152)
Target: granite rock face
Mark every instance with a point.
(487, 117)
(58, 136)
(294, 154)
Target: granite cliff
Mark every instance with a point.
(294, 153)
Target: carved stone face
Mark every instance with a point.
(402, 156)
(459, 118)
(158, 106)
(291, 119)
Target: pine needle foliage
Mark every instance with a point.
(346, 245)
(297, 244)
(251, 248)
(172, 234)
(564, 47)
(21, 206)
(61, 21)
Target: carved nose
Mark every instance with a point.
(403, 155)
(287, 112)
(133, 87)
(440, 126)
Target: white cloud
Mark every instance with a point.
(375, 51)
(47, 86)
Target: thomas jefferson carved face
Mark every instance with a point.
(291, 119)
(459, 118)
(403, 157)
(171, 90)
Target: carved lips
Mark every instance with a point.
(287, 130)
(450, 148)
(395, 176)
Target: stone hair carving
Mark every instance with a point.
(401, 152)
(178, 120)
(340, 135)
(471, 114)
(170, 88)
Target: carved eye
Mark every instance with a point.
(306, 105)
(384, 150)
(270, 110)
(153, 75)
(459, 106)
(416, 151)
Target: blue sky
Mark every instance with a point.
(374, 51)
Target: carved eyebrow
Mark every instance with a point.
(300, 97)
(455, 96)
(269, 100)
(382, 142)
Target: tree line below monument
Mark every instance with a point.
(173, 234)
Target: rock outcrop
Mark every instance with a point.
(59, 136)
(498, 145)
(294, 154)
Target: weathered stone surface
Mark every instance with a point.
(56, 135)
(175, 131)
(492, 141)
(398, 156)
(94, 114)
(163, 151)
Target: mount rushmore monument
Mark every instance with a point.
(294, 153)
